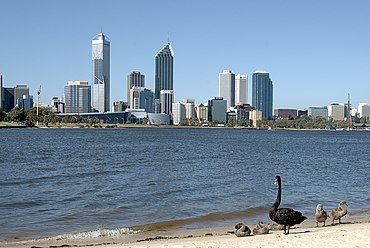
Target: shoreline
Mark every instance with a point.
(353, 232)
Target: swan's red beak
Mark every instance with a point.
(276, 181)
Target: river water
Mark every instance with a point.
(77, 181)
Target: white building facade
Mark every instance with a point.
(314, 112)
(241, 89)
(336, 112)
(226, 82)
(364, 110)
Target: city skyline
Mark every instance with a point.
(315, 52)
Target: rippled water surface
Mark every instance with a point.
(62, 181)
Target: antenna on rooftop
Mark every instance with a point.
(168, 37)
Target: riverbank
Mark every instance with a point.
(353, 233)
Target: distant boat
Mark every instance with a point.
(269, 129)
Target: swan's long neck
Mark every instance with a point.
(278, 196)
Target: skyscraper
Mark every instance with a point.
(262, 93)
(226, 81)
(77, 97)
(101, 73)
(134, 79)
(241, 89)
(164, 70)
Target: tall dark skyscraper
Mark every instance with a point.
(262, 93)
(101, 73)
(164, 70)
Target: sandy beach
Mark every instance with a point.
(349, 234)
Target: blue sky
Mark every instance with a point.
(315, 51)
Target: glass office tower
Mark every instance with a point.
(164, 70)
(101, 73)
(262, 93)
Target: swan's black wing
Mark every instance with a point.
(288, 216)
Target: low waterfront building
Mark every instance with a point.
(336, 112)
(302, 112)
(158, 119)
(314, 112)
(255, 115)
(189, 107)
(217, 110)
(285, 114)
(119, 106)
(202, 113)
(242, 111)
(57, 105)
(364, 110)
(178, 113)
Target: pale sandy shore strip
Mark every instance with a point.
(345, 235)
(340, 235)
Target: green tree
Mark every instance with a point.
(17, 115)
(2, 115)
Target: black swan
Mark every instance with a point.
(320, 214)
(242, 230)
(339, 212)
(284, 216)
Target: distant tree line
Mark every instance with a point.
(46, 116)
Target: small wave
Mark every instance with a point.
(97, 234)
(211, 217)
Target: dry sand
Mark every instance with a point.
(346, 235)
(350, 234)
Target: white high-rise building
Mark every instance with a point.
(100, 99)
(166, 99)
(336, 112)
(77, 97)
(227, 87)
(241, 89)
(364, 110)
(183, 110)
(178, 113)
(190, 108)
